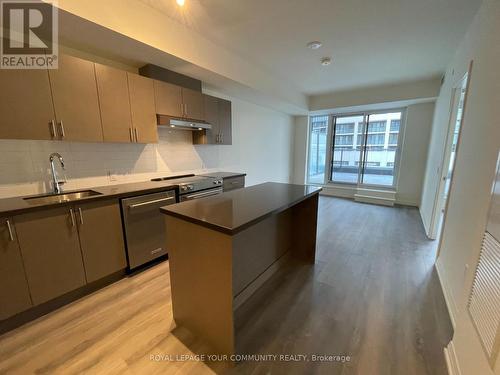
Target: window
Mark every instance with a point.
(395, 125)
(377, 127)
(317, 149)
(364, 148)
(345, 128)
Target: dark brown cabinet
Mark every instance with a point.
(14, 292)
(218, 114)
(114, 104)
(51, 252)
(101, 238)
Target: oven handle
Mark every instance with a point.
(202, 194)
(142, 204)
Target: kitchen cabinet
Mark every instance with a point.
(26, 105)
(142, 108)
(225, 122)
(114, 104)
(168, 99)
(14, 292)
(232, 183)
(75, 97)
(193, 104)
(218, 114)
(51, 253)
(101, 238)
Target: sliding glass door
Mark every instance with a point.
(360, 149)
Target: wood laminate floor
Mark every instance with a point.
(372, 295)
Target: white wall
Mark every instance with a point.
(300, 149)
(473, 177)
(414, 155)
(262, 147)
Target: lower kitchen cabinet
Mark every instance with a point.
(14, 292)
(51, 252)
(101, 238)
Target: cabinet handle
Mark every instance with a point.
(61, 128)
(136, 135)
(72, 215)
(81, 215)
(182, 110)
(221, 137)
(186, 110)
(131, 135)
(53, 128)
(9, 228)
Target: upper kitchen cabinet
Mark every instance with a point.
(14, 292)
(218, 114)
(26, 105)
(168, 99)
(193, 104)
(76, 102)
(225, 122)
(142, 108)
(114, 103)
(51, 252)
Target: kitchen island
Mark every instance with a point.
(223, 248)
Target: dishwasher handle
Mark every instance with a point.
(154, 201)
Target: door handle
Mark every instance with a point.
(9, 228)
(72, 216)
(53, 132)
(61, 128)
(81, 215)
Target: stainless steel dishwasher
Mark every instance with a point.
(145, 226)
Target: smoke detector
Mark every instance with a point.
(314, 44)
(325, 61)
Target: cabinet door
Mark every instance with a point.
(168, 99)
(142, 104)
(114, 104)
(193, 104)
(211, 104)
(14, 292)
(51, 252)
(26, 105)
(76, 104)
(101, 238)
(225, 122)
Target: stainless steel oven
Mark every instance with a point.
(144, 226)
(200, 194)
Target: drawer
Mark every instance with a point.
(232, 183)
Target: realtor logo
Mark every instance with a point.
(29, 35)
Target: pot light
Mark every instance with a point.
(314, 44)
(325, 61)
(180, 2)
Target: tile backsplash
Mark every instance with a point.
(25, 168)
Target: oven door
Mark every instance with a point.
(200, 194)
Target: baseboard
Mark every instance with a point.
(448, 297)
(450, 356)
(374, 200)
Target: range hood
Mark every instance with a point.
(182, 124)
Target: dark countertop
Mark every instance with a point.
(223, 174)
(17, 205)
(236, 210)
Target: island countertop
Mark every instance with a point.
(236, 210)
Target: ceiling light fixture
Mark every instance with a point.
(180, 2)
(314, 44)
(325, 61)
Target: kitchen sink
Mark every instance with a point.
(63, 197)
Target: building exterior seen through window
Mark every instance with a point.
(364, 148)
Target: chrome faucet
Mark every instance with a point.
(56, 184)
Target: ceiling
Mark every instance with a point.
(372, 42)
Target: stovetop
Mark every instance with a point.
(189, 183)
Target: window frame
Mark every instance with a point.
(327, 181)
